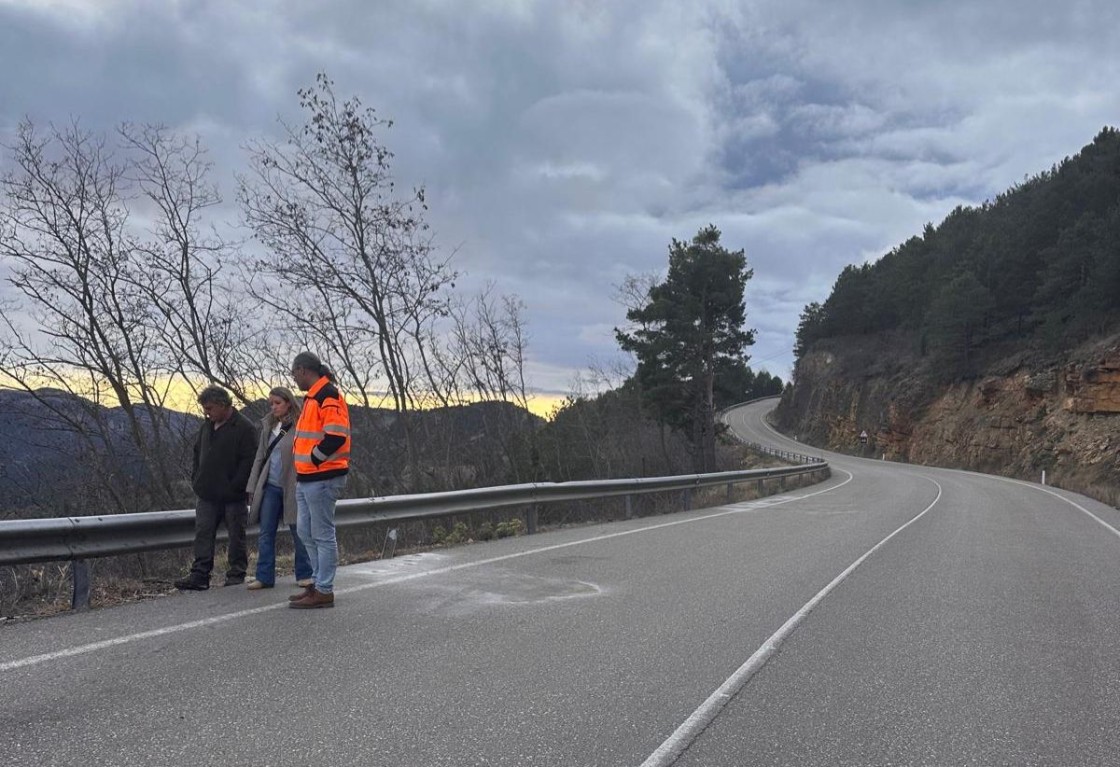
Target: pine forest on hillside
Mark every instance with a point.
(1040, 264)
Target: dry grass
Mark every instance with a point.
(1106, 494)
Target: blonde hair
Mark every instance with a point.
(284, 393)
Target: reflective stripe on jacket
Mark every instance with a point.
(321, 448)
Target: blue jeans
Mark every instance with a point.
(272, 511)
(315, 523)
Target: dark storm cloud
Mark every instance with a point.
(563, 145)
(146, 62)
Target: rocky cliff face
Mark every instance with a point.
(1094, 388)
(1027, 413)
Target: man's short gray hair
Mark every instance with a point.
(214, 395)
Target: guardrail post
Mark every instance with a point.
(79, 573)
(531, 519)
(761, 487)
(629, 507)
(390, 536)
(687, 496)
(782, 482)
(730, 487)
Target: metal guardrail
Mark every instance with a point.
(785, 455)
(79, 538)
(768, 450)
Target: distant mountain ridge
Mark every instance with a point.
(44, 461)
(43, 457)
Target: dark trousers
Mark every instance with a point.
(207, 516)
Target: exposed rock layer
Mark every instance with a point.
(1026, 413)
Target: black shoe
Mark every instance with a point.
(191, 583)
(234, 580)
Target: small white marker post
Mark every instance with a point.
(391, 536)
(1044, 476)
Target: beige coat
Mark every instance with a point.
(260, 471)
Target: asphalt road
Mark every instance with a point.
(894, 615)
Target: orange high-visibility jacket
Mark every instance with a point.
(322, 441)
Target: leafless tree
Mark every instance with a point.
(207, 332)
(353, 254)
(81, 324)
(482, 357)
(349, 257)
(312, 317)
(633, 293)
(489, 345)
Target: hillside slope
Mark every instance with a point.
(991, 341)
(1026, 413)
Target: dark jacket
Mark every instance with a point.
(223, 459)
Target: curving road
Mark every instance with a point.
(894, 615)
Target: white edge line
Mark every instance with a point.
(676, 744)
(1044, 489)
(107, 643)
(1025, 483)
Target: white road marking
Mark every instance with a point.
(93, 647)
(1024, 483)
(676, 744)
(1048, 491)
(107, 643)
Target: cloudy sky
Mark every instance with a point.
(563, 144)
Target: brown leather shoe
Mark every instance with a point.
(302, 595)
(312, 601)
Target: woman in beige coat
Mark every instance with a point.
(272, 489)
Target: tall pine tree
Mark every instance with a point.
(690, 333)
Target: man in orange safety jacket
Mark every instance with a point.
(321, 452)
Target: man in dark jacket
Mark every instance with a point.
(223, 458)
